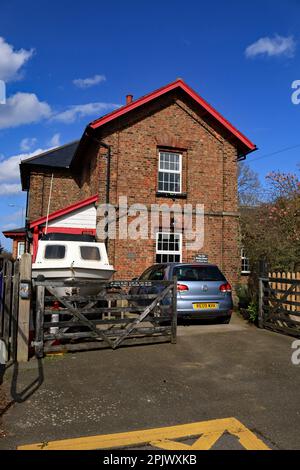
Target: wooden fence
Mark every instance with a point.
(279, 302)
(122, 313)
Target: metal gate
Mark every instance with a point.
(279, 303)
(122, 313)
(9, 305)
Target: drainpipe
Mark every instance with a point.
(26, 224)
(108, 158)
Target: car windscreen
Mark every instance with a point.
(198, 273)
(55, 252)
(90, 253)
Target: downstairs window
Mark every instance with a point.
(168, 247)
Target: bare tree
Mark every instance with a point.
(271, 230)
(249, 187)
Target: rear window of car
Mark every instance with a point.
(90, 253)
(55, 251)
(198, 273)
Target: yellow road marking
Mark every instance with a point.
(208, 431)
(205, 442)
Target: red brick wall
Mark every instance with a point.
(209, 178)
(66, 190)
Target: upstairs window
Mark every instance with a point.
(169, 172)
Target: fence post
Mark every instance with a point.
(2, 269)
(24, 311)
(15, 311)
(260, 303)
(39, 328)
(7, 304)
(174, 312)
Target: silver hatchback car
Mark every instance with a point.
(202, 290)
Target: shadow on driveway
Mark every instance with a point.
(21, 396)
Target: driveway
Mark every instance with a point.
(213, 372)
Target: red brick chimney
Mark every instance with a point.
(129, 99)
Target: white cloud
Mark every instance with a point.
(78, 111)
(26, 108)
(55, 140)
(9, 169)
(90, 81)
(9, 172)
(27, 143)
(12, 60)
(9, 188)
(23, 108)
(276, 46)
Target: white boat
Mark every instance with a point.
(62, 259)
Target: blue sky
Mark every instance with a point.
(242, 57)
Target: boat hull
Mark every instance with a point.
(78, 274)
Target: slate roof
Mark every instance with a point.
(59, 157)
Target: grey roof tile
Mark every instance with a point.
(60, 157)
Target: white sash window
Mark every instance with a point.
(169, 172)
(168, 247)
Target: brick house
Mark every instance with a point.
(169, 146)
(18, 236)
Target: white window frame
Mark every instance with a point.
(18, 249)
(170, 171)
(164, 252)
(244, 257)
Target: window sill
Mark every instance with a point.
(171, 195)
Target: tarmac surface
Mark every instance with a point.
(214, 372)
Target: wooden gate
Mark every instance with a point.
(279, 303)
(116, 316)
(9, 304)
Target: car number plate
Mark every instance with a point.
(205, 305)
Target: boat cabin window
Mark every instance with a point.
(55, 252)
(90, 253)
